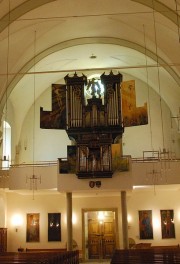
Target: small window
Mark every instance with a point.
(6, 145)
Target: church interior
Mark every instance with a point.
(90, 125)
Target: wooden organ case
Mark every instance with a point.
(94, 122)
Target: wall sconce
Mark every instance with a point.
(129, 218)
(17, 221)
(74, 218)
(156, 223)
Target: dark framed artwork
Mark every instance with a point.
(145, 224)
(167, 223)
(132, 115)
(55, 119)
(54, 227)
(32, 230)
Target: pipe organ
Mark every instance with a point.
(91, 112)
(94, 121)
(75, 101)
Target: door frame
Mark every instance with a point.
(86, 210)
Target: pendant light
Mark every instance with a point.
(34, 179)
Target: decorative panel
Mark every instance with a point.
(132, 115)
(55, 119)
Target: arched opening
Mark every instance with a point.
(6, 161)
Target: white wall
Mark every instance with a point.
(159, 133)
(43, 204)
(46, 177)
(141, 173)
(50, 144)
(154, 200)
(45, 144)
(53, 203)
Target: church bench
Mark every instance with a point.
(46, 249)
(165, 247)
(24, 259)
(51, 257)
(147, 256)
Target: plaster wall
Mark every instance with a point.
(150, 199)
(41, 144)
(21, 204)
(51, 144)
(155, 200)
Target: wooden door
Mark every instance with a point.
(108, 239)
(101, 239)
(93, 239)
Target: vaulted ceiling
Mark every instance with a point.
(43, 40)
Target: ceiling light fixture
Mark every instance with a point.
(33, 178)
(157, 159)
(155, 175)
(93, 56)
(164, 154)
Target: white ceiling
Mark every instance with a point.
(41, 41)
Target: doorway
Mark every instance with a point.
(100, 233)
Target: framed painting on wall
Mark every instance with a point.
(32, 230)
(145, 224)
(167, 223)
(54, 227)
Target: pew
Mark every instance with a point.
(46, 249)
(158, 255)
(40, 257)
